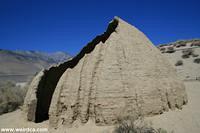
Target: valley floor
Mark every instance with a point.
(186, 120)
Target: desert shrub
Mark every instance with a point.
(162, 49)
(185, 56)
(11, 97)
(162, 45)
(187, 53)
(170, 50)
(197, 60)
(179, 63)
(198, 78)
(195, 55)
(195, 44)
(181, 44)
(161, 130)
(131, 125)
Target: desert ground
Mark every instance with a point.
(186, 120)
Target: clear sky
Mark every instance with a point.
(68, 25)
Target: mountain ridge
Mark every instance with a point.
(26, 63)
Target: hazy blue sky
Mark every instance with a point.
(67, 25)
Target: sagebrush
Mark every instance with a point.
(11, 97)
(130, 124)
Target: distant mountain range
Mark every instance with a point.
(20, 66)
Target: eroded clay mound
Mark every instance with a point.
(118, 73)
(40, 91)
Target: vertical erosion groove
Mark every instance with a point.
(92, 89)
(49, 81)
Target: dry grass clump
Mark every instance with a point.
(162, 49)
(187, 53)
(11, 97)
(132, 125)
(170, 50)
(162, 45)
(195, 55)
(181, 44)
(197, 44)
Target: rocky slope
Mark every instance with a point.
(20, 66)
(185, 57)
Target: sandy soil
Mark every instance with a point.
(189, 70)
(186, 120)
(16, 119)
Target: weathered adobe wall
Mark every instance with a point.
(39, 95)
(121, 75)
(118, 73)
(40, 92)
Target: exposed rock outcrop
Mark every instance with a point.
(119, 73)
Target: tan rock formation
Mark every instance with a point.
(118, 73)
